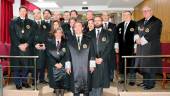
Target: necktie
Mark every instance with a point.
(38, 22)
(105, 25)
(58, 45)
(78, 41)
(97, 42)
(125, 27)
(145, 22)
(98, 34)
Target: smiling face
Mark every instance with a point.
(147, 12)
(73, 14)
(98, 22)
(37, 14)
(105, 16)
(47, 15)
(72, 22)
(22, 12)
(89, 15)
(78, 28)
(56, 25)
(126, 16)
(66, 16)
(91, 24)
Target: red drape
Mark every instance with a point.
(29, 5)
(6, 16)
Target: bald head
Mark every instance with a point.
(37, 14)
(147, 12)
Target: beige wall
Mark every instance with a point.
(161, 10)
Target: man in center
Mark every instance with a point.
(80, 61)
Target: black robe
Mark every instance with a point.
(101, 75)
(151, 32)
(80, 60)
(54, 58)
(126, 43)
(40, 37)
(112, 29)
(20, 32)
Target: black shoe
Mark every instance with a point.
(26, 85)
(121, 81)
(131, 83)
(148, 87)
(43, 82)
(141, 85)
(18, 87)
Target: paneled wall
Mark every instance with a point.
(161, 9)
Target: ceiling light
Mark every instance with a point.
(84, 2)
(46, 4)
(40, 0)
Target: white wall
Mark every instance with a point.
(16, 6)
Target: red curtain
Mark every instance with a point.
(29, 5)
(6, 16)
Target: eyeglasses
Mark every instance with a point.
(146, 10)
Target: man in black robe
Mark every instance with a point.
(127, 47)
(69, 32)
(148, 40)
(111, 27)
(102, 40)
(80, 62)
(21, 34)
(65, 22)
(41, 32)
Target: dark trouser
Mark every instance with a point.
(41, 65)
(112, 65)
(131, 72)
(21, 73)
(96, 92)
(78, 94)
(149, 83)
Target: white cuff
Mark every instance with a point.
(135, 46)
(116, 45)
(136, 37)
(92, 63)
(143, 41)
(67, 65)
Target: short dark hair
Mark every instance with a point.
(23, 7)
(91, 20)
(66, 12)
(47, 10)
(74, 11)
(128, 12)
(81, 22)
(72, 19)
(99, 17)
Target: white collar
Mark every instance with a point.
(58, 40)
(127, 22)
(38, 20)
(98, 29)
(22, 18)
(106, 23)
(148, 18)
(79, 35)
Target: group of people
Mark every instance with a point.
(81, 55)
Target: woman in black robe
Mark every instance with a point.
(56, 51)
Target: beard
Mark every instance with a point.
(98, 26)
